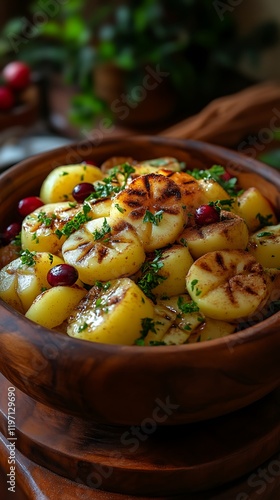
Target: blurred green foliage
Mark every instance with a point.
(186, 38)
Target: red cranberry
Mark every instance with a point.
(17, 74)
(82, 191)
(7, 99)
(62, 275)
(27, 205)
(206, 214)
(226, 176)
(11, 232)
(89, 162)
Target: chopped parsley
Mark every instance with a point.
(35, 237)
(105, 230)
(50, 258)
(264, 219)
(64, 173)
(215, 173)
(27, 257)
(184, 242)
(148, 325)
(264, 233)
(103, 286)
(17, 240)
(45, 219)
(153, 218)
(222, 204)
(187, 307)
(157, 342)
(74, 224)
(110, 185)
(150, 277)
(193, 283)
(119, 208)
(100, 303)
(82, 327)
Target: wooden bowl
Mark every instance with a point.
(121, 385)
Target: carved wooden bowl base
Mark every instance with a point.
(55, 451)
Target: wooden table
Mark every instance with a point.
(235, 457)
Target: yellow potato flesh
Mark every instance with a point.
(176, 262)
(59, 184)
(55, 305)
(230, 233)
(251, 206)
(113, 316)
(264, 245)
(118, 254)
(20, 284)
(227, 284)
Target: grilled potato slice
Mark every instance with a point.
(230, 233)
(227, 284)
(112, 313)
(104, 249)
(25, 277)
(264, 245)
(152, 203)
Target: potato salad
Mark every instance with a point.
(142, 253)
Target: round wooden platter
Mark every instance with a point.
(235, 456)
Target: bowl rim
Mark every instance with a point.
(243, 336)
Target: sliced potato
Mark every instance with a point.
(55, 305)
(112, 313)
(59, 184)
(264, 245)
(20, 282)
(104, 249)
(227, 284)
(254, 208)
(230, 233)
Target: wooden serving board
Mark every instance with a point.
(60, 456)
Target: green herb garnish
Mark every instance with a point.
(148, 325)
(82, 327)
(187, 307)
(264, 233)
(264, 219)
(150, 277)
(103, 286)
(110, 185)
(119, 208)
(215, 173)
(153, 218)
(106, 229)
(73, 225)
(27, 257)
(193, 283)
(45, 219)
(222, 204)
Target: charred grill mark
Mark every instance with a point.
(138, 213)
(120, 225)
(171, 210)
(147, 183)
(250, 290)
(169, 192)
(253, 267)
(101, 252)
(133, 197)
(205, 266)
(220, 261)
(229, 290)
